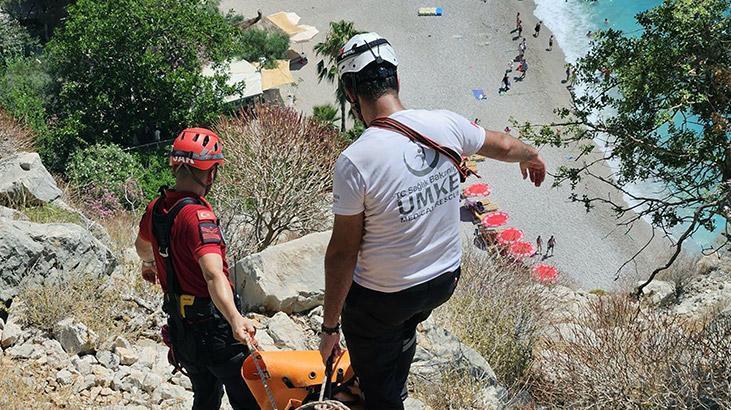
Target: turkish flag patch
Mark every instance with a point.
(210, 232)
(205, 215)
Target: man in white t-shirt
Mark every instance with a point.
(395, 250)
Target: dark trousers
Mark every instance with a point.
(380, 331)
(208, 382)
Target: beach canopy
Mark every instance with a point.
(509, 235)
(495, 219)
(288, 23)
(479, 94)
(238, 71)
(544, 273)
(522, 249)
(276, 77)
(476, 190)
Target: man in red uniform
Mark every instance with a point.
(181, 246)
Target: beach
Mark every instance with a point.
(441, 59)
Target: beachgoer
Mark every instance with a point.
(537, 29)
(507, 130)
(524, 68)
(182, 248)
(379, 272)
(539, 245)
(506, 81)
(517, 20)
(520, 29)
(477, 121)
(606, 22)
(568, 73)
(550, 43)
(523, 45)
(588, 34)
(551, 243)
(509, 68)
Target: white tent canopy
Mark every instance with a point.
(238, 71)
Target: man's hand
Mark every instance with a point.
(535, 169)
(243, 327)
(329, 344)
(149, 272)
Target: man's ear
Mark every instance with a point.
(398, 83)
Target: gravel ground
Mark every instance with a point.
(441, 59)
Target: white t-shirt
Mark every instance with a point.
(410, 197)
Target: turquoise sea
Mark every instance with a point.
(570, 20)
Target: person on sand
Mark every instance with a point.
(524, 68)
(520, 29)
(568, 73)
(550, 43)
(182, 248)
(539, 245)
(506, 82)
(537, 29)
(517, 20)
(381, 277)
(551, 244)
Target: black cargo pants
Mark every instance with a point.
(380, 331)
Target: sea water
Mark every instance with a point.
(570, 21)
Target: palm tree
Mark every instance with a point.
(326, 114)
(340, 32)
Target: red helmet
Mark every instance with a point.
(198, 147)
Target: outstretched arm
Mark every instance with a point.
(503, 147)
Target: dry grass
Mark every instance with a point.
(454, 389)
(497, 310)
(20, 388)
(13, 136)
(617, 356)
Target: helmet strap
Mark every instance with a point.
(206, 187)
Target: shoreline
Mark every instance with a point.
(441, 60)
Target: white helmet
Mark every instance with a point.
(363, 49)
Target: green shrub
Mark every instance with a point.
(51, 214)
(24, 91)
(14, 40)
(104, 167)
(259, 44)
(156, 171)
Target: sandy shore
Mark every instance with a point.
(441, 60)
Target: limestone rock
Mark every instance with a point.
(705, 294)
(414, 404)
(438, 348)
(26, 181)
(11, 213)
(169, 391)
(658, 292)
(120, 341)
(127, 356)
(285, 331)
(74, 336)
(83, 364)
(64, 377)
(12, 332)
(108, 359)
(38, 253)
(151, 382)
(285, 278)
(24, 351)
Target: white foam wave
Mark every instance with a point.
(569, 20)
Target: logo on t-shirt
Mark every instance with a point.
(420, 166)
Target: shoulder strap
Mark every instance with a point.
(413, 135)
(162, 223)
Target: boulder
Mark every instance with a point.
(31, 252)
(74, 336)
(284, 331)
(658, 292)
(704, 294)
(289, 277)
(168, 391)
(127, 356)
(11, 334)
(437, 348)
(24, 351)
(64, 377)
(414, 404)
(108, 359)
(11, 213)
(26, 181)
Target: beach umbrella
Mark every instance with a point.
(522, 249)
(544, 273)
(495, 219)
(510, 235)
(479, 189)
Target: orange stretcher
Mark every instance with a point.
(295, 377)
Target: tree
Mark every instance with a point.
(661, 103)
(327, 69)
(14, 39)
(127, 67)
(326, 114)
(40, 16)
(258, 44)
(277, 177)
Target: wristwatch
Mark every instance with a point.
(330, 330)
